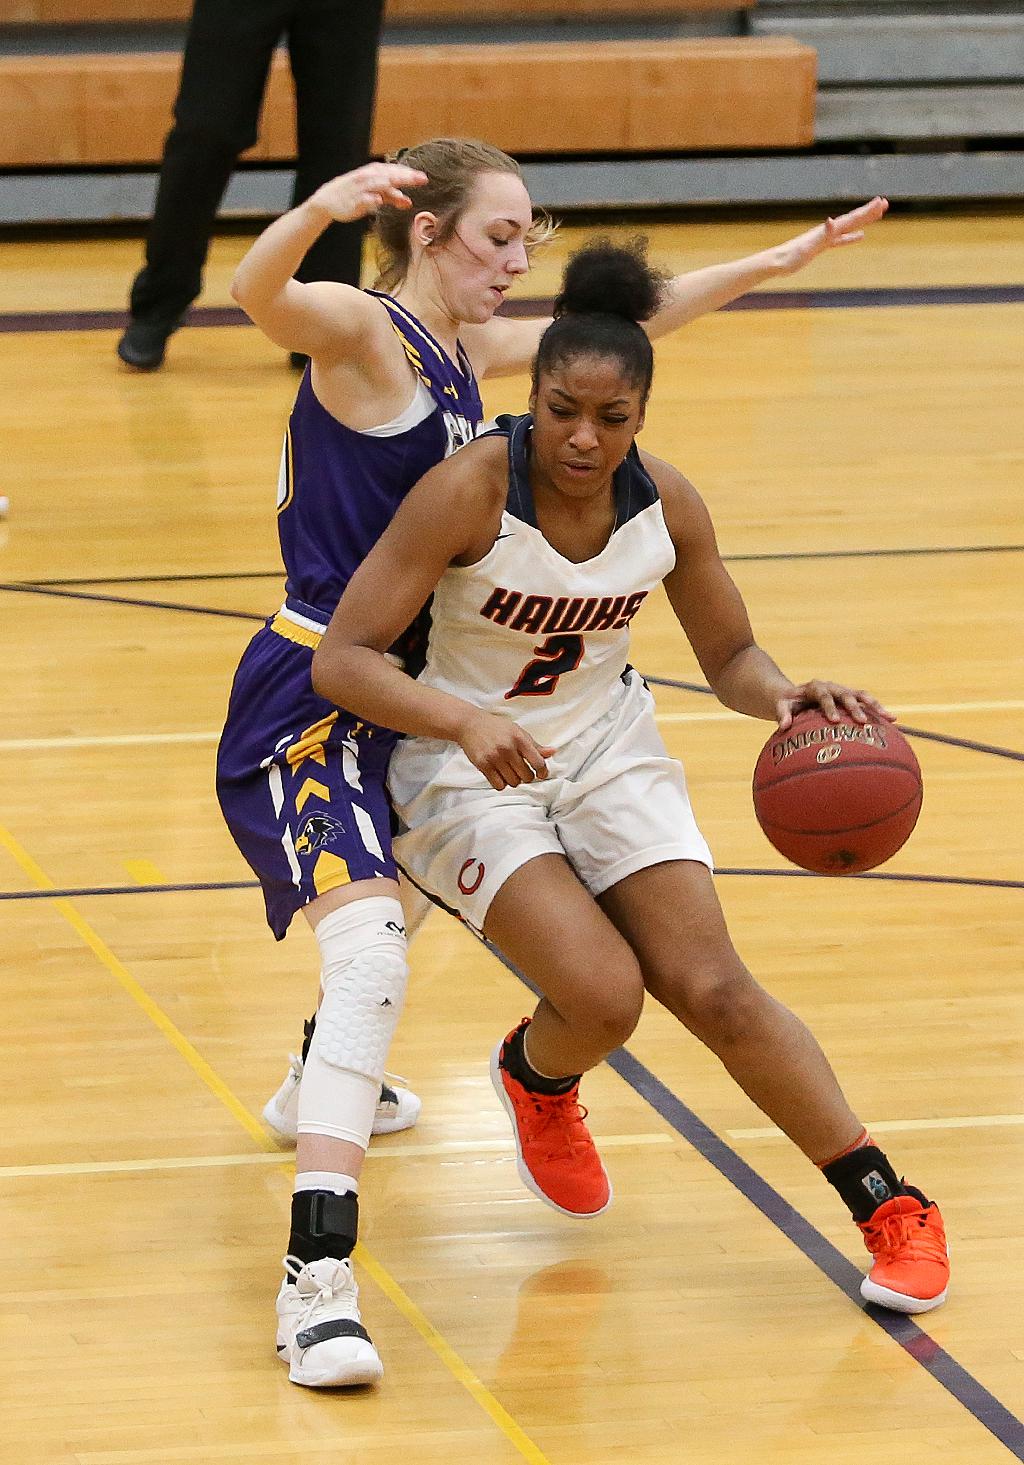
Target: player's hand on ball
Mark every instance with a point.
(834, 700)
(846, 229)
(504, 752)
(363, 191)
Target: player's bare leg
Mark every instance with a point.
(593, 994)
(671, 917)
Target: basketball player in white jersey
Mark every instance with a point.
(390, 392)
(535, 796)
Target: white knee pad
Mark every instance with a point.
(364, 974)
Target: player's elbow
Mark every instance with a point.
(327, 674)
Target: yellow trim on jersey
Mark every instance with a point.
(301, 635)
(412, 321)
(413, 357)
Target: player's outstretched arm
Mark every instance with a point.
(323, 317)
(702, 291)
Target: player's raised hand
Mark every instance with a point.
(504, 752)
(846, 229)
(363, 191)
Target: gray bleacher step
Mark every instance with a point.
(625, 183)
(870, 114)
(906, 46)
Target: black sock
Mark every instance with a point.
(865, 1180)
(515, 1061)
(323, 1224)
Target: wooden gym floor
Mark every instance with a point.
(861, 454)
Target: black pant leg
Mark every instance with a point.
(333, 45)
(227, 58)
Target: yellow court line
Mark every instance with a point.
(144, 872)
(387, 1284)
(442, 1148)
(138, 994)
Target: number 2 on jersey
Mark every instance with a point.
(552, 660)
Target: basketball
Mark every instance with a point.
(837, 798)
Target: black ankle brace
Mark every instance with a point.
(323, 1224)
(865, 1180)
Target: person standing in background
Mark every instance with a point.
(332, 49)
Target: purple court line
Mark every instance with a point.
(852, 299)
(872, 554)
(809, 554)
(907, 879)
(72, 892)
(198, 610)
(921, 1346)
(945, 1369)
(912, 732)
(158, 579)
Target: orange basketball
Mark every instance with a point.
(837, 798)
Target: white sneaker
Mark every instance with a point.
(319, 1332)
(397, 1108)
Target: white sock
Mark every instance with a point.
(330, 1180)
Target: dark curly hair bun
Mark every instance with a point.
(605, 278)
(607, 290)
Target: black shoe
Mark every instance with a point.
(298, 359)
(145, 341)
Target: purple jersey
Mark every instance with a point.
(339, 488)
(302, 783)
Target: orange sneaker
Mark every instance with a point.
(908, 1242)
(555, 1154)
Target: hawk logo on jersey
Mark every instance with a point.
(317, 830)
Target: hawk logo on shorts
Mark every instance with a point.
(318, 830)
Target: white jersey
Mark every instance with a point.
(530, 634)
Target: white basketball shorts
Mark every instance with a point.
(614, 802)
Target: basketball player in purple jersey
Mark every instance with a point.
(390, 392)
(535, 797)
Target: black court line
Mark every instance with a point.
(198, 610)
(837, 299)
(912, 732)
(989, 1411)
(154, 579)
(38, 588)
(781, 555)
(71, 892)
(871, 554)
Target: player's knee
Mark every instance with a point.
(364, 975)
(722, 1005)
(360, 1011)
(611, 1009)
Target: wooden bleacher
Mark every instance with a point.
(612, 96)
(75, 12)
(96, 109)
